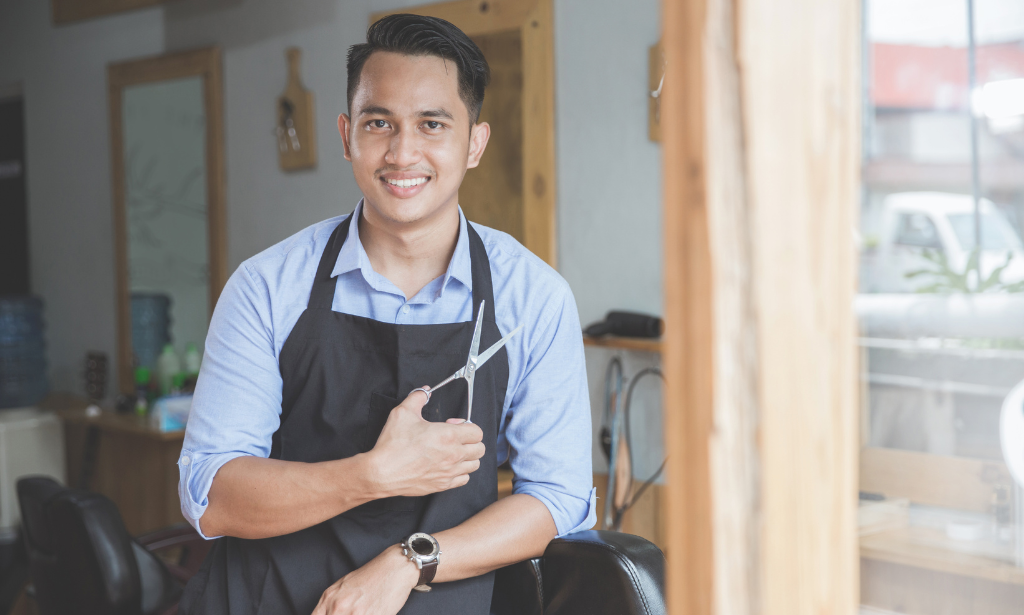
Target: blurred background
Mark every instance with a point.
(941, 304)
(147, 148)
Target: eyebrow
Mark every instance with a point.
(440, 112)
(443, 113)
(374, 110)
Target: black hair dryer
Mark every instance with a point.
(626, 324)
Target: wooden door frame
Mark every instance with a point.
(206, 64)
(687, 345)
(760, 116)
(534, 21)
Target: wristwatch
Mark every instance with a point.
(423, 550)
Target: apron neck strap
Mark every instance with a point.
(322, 295)
(481, 267)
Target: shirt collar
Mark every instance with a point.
(353, 256)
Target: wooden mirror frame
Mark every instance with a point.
(205, 63)
(533, 19)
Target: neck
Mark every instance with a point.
(410, 255)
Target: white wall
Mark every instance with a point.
(63, 75)
(609, 173)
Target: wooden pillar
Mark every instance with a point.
(761, 154)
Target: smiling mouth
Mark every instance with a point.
(406, 183)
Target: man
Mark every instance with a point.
(333, 493)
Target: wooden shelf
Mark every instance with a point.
(624, 343)
(907, 546)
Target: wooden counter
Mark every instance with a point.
(920, 571)
(134, 464)
(926, 548)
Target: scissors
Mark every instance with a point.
(474, 362)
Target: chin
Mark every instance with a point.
(402, 211)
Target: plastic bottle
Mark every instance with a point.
(142, 377)
(192, 359)
(167, 365)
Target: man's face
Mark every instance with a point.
(409, 137)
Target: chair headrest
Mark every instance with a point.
(33, 494)
(603, 572)
(91, 541)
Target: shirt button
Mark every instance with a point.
(405, 309)
(185, 461)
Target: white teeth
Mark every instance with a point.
(407, 183)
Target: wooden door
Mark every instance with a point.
(513, 189)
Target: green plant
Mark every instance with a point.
(945, 279)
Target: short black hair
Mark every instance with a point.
(419, 35)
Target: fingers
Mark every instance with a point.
(472, 452)
(468, 467)
(459, 481)
(468, 433)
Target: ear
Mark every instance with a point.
(344, 122)
(478, 137)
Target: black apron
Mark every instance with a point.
(342, 376)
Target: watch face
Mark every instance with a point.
(423, 545)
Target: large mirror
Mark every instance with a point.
(168, 207)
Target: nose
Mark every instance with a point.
(404, 150)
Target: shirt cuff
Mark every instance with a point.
(571, 513)
(195, 476)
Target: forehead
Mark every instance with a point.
(407, 85)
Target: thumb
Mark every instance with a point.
(416, 400)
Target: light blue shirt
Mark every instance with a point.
(545, 421)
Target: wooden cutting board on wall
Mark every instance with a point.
(296, 135)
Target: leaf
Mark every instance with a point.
(992, 281)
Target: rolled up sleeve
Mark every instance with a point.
(237, 403)
(548, 429)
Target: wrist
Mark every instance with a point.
(366, 477)
(405, 570)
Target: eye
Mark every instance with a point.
(378, 124)
(433, 125)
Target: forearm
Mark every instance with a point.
(511, 530)
(254, 497)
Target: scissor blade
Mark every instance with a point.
(496, 347)
(474, 348)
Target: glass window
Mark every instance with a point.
(942, 329)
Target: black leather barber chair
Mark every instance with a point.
(586, 573)
(82, 560)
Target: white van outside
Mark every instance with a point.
(924, 232)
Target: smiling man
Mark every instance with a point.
(338, 488)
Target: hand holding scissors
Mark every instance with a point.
(474, 362)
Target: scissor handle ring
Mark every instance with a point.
(422, 390)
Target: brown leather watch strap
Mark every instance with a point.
(427, 572)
